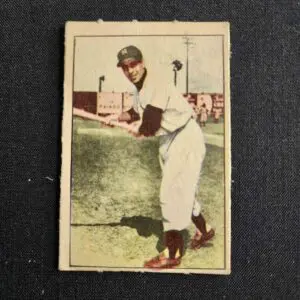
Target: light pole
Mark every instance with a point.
(187, 42)
(101, 78)
(177, 65)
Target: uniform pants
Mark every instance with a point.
(181, 154)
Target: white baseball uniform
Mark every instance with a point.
(181, 151)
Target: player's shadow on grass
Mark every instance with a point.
(146, 227)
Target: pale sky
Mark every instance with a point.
(97, 56)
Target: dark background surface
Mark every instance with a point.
(265, 137)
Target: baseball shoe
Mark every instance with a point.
(162, 262)
(200, 239)
(174, 244)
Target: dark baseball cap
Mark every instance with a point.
(129, 52)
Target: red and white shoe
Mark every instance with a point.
(200, 239)
(162, 262)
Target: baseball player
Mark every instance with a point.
(203, 115)
(165, 113)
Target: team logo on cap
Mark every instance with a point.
(124, 51)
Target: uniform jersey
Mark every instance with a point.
(176, 110)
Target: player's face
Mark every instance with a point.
(133, 70)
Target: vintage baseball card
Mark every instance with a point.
(146, 152)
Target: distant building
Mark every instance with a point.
(86, 101)
(109, 103)
(104, 103)
(191, 98)
(113, 103)
(218, 103)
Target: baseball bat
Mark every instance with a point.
(84, 114)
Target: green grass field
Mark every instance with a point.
(213, 128)
(115, 200)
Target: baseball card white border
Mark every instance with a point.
(101, 28)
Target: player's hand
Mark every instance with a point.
(134, 130)
(111, 118)
(124, 117)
